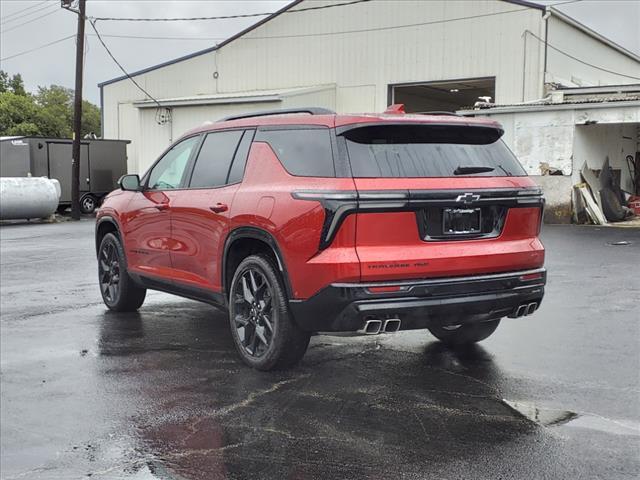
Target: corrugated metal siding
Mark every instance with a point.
(567, 71)
(362, 65)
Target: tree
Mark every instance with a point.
(55, 115)
(13, 84)
(17, 115)
(48, 113)
(91, 118)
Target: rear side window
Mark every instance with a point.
(302, 152)
(399, 151)
(214, 159)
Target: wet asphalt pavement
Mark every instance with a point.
(162, 395)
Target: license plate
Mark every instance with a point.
(460, 221)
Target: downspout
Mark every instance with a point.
(545, 17)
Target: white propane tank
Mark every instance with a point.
(28, 197)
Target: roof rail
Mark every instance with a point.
(284, 111)
(439, 112)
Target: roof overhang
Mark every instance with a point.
(256, 96)
(550, 107)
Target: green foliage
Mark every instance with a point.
(48, 113)
(12, 84)
(17, 115)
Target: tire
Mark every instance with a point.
(263, 330)
(119, 292)
(464, 334)
(88, 203)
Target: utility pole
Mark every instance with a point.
(77, 109)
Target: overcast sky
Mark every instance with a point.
(28, 24)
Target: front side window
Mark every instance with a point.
(167, 174)
(214, 159)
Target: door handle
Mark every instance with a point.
(219, 208)
(162, 206)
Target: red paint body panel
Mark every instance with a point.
(175, 235)
(295, 224)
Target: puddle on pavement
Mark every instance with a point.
(551, 418)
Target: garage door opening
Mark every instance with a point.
(449, 96)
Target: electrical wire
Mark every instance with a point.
(92, 23)
(393, 27)
(222, 17)
(11, 15)
(30, 21)
(579, 60)
(37, 48)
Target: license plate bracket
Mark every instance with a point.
(461, 221)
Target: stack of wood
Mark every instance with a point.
(598, 198)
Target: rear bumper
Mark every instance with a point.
(343, 307)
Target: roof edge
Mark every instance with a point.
(206, 50)
(592, 33)
(527, 3)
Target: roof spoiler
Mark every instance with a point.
(284, 111)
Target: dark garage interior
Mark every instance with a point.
(446, 96)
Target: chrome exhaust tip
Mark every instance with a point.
(522, 310)
(391, 325)
(532, 307)
(371, 327)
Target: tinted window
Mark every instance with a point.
(168, 172)
(305, 153)
(429, 151)
(214, 159)
(240, 160)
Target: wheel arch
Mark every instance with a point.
(244, 241)
(104, 225)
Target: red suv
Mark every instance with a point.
(303, 221)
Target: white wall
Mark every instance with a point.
(360, 64)
(558, 136)
(569, 72)
(594, 143)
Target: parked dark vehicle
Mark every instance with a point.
(102, 163)
(307, 221)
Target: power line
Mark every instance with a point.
(5, 21)
(30, 21)
(579, 60)
(23, 10)
(393, 27)
(37, 48)
(92, 23)
(222, 17)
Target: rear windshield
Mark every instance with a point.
(398, 151)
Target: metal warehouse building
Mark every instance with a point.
(363, 56)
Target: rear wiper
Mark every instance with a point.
(469, 170)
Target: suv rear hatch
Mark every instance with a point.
(440, 201)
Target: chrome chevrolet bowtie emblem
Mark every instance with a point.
(467, 198)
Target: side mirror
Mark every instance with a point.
(130, 182)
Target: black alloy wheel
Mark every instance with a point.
(264, 332)
(119, 291)
(109, 273)
(254, 315)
